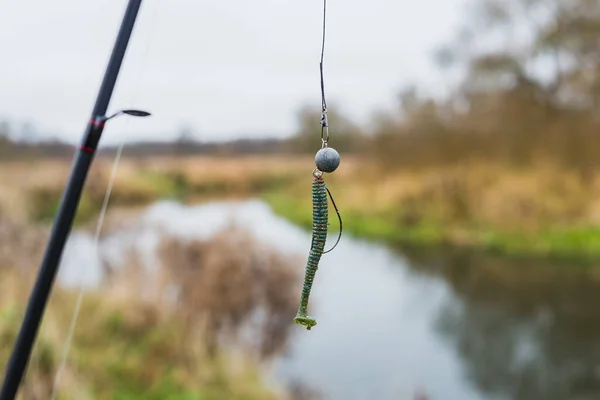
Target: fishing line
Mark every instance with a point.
(324, 119)
(327, 160)
(103, 211)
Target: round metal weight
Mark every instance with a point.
(327, 159)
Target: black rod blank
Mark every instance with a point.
(63, 222)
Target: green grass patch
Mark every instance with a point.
(44, 205)
(118, 356)
(568, 241)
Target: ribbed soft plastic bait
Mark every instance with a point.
(319, 236)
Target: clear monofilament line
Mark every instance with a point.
(81, 291)
(101, 217)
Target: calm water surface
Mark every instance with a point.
(392, 324)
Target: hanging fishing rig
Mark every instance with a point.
(327, 160)
(63, 222)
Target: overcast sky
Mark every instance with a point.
(235, 68)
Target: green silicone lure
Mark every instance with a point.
(319, 236)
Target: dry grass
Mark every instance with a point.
(506, 198)
(226, 282)
(541, 209)
(488, 194)
(471, 203)
(33, 190)
(133, 341)
(223, 288)
(21, 245)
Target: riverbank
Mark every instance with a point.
(533, 211)
(575, 242)
(123, 350)
(131, 342)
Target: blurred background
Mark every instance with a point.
(469, 187)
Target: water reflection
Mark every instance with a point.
(524, 329)
(452, 324)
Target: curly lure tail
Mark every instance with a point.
(319, 236)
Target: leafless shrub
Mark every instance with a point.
(230, 283)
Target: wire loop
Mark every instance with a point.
(339, 219)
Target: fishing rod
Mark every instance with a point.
(63, 221)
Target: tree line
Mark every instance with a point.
(528, 92)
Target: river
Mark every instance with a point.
(449, 324)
